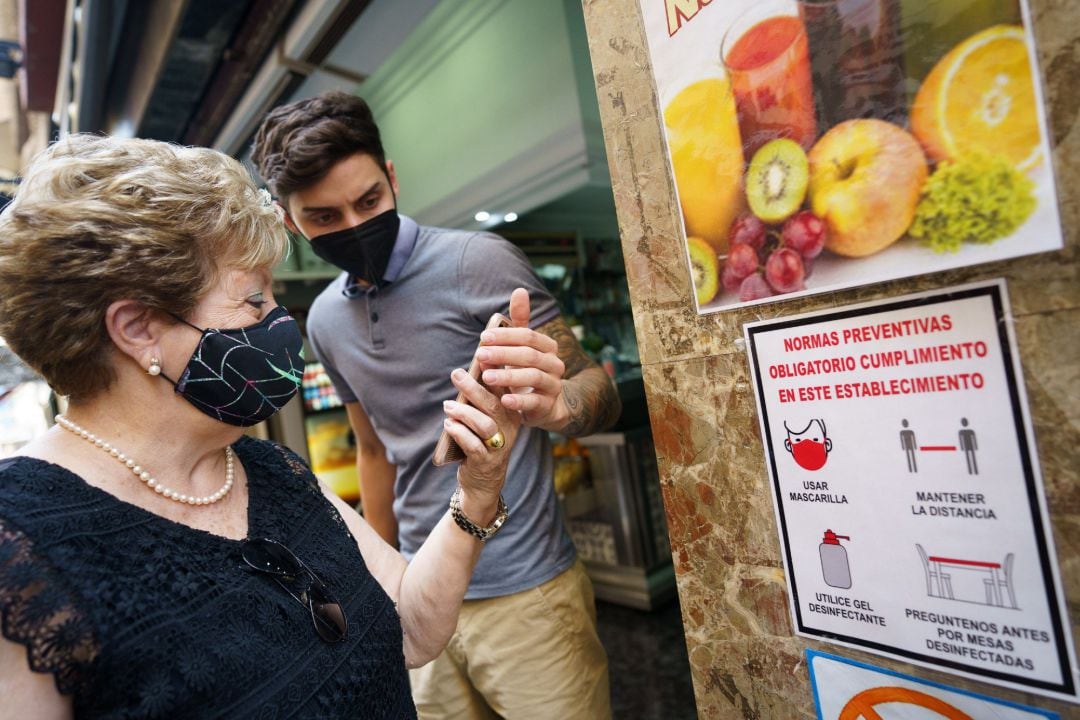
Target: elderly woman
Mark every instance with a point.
(153, 561)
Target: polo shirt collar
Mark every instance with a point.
(408, 230)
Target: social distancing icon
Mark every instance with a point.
(967, 443)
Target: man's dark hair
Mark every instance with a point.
(297, 144)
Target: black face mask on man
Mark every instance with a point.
(242, 376)
(363, 250)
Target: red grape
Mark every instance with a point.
(730, 280)
(784, 270)
(804, 232)
(754, 287)
(747, 230)
(742, 260)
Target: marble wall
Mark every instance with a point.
(746, 661)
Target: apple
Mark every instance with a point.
(866, 177)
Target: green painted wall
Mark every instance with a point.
(483, 100)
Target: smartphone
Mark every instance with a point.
(446, 449)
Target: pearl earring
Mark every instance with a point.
(155, 367)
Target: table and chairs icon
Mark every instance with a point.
(997, 581)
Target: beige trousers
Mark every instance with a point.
(533, 655)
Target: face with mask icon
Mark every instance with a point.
(350, 216)
(810, 447)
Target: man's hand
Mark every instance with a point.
(548, 377)
(532, 378)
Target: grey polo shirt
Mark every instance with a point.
(392, 349)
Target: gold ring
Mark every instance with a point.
(496, 441)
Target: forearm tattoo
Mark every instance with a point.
(588, 392)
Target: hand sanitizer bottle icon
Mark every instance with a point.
(834, 562)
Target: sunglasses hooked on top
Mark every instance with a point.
(272, 558)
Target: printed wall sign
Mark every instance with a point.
(849, 690)
(823, 144)
(907, 485)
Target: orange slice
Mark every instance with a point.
(980, 97)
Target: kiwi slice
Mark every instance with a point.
(777, 179)
(706, 269)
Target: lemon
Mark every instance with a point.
(980, 98)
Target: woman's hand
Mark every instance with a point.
(483, 471)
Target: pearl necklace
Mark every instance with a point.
(146, 477)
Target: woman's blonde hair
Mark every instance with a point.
(99, 219)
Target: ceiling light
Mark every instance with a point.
(510, 217)
(482, 216)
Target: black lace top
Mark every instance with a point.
(138, 616)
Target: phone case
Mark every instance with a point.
(446, 449)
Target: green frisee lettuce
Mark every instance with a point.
(975, 199)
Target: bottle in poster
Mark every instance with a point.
(767, 59)
(856, 59)
(835, 569)
(931, 29)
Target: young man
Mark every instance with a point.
(411, 304)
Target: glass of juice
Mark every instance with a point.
(767, 58)
(856, 59)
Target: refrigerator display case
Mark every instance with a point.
(332, 450)
(615, 515)
(316, 426)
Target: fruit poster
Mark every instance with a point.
(822, 144)
(907, 487)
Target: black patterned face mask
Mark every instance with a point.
(243, 376)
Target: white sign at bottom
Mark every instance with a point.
(849, 690)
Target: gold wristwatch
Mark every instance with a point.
(463, 522)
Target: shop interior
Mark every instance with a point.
(490, 115)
